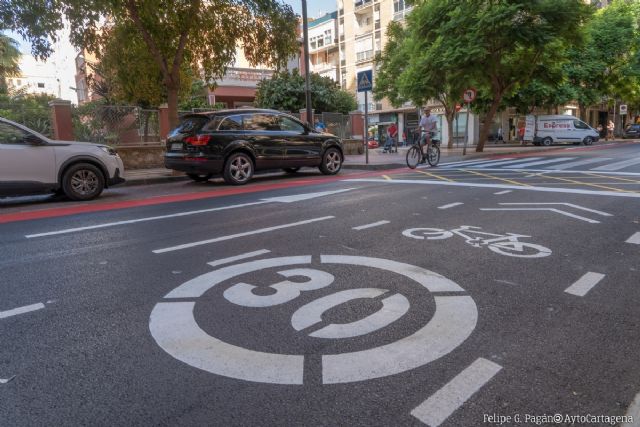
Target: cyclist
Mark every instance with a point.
(428, 126)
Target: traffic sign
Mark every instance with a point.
(623, 109)
(469, 95)
(365, 79)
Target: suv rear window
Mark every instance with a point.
(190, 124)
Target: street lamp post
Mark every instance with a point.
(305, 34)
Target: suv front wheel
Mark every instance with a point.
(82, 181)
(331, 161)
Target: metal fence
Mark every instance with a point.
(36, 118)
(115, 124)
(337, 124)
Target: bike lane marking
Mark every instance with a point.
(373, 224)
(444, 402)
(234, 236)
(450, 205)
(635, 238)
(581, 287)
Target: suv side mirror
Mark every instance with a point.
(32, 140)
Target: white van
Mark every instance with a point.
(547, 130)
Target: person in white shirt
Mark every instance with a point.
(428, 124)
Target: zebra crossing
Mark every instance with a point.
(552, 164)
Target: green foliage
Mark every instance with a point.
(9, 58)
(286, 91)
(36, 21)
(196, 97)
(30, 110)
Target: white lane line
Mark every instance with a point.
(548, 171)
(502, 192)
(634, 239)
(634, 413)
(450, 205)
(584, 284)
(564, 204)
(558, 211)
(373, 224)
(234, 236)
(473, 162)
(617, 165)
(21, 310)
(580, 163)
(504, 162)
(541, 162)
(504, 186)
(238, 257)
(437, 408)
(151, 218)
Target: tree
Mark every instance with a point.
(9, 58)
(495, 44)
(36, 21)
(204, 34)
(286, 91)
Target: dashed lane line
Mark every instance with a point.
(635, 239)
(450, 205)
(21, 310)
(437, 408)
(584, 284)
(499, 193)
(238, 257)
(373, 224)
(235, 236)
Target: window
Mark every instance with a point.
(18, 82)
(231, 123)
(189, 124)
(288, 125)
(327, 37)
(579, 124)
(11, 135)
(261, 122)
(41, 85)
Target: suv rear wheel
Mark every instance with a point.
(331, 161)
(238, 169)
(83, 181)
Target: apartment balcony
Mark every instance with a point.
(401, 15)
(362, 6)
(246, 77)
(363, 30)
(365, 56)
(327, 47)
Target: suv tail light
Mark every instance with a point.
(198, 139)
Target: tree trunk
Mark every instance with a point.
(450, 116)
(172, 104)
(488, 119)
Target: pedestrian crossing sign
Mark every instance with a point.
(365, 79)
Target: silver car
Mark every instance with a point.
(31, 163)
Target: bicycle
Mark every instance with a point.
(416, 155)
(503, 244)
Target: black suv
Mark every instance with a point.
(632, 131)
(235, 143)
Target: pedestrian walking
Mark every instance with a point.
(610, 128)
(521, 134)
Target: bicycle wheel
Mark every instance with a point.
(433, 155)
(429, 233)
(519, 249)
(414, 156)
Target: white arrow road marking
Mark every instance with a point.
(234, 236)
(563, 204)
(558, 211)
(284, 199)
(584, 284)
(504, 186)
(238, 257)
(21, 310)
(437, 408)
(374, 224)
(634, 239)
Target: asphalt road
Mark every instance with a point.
(361, 300)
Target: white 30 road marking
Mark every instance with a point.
(21, 310)
(584, 284)
(173, 326)
(437, 408)
(634, 239)
(374, 224)
(283, 199)
(234, 236)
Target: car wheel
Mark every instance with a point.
(291, 170)
(83, 181)
(331, 161)
(547, 141)
(588, 140)
(200, 177)
(238, 169)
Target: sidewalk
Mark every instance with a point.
(377, 161)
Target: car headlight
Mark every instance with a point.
(108, 150)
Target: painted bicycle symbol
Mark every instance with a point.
(503, 244)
